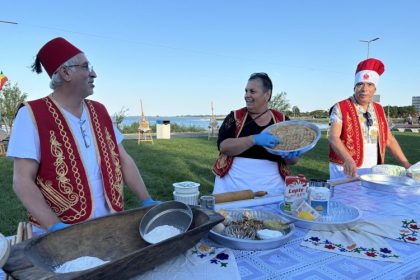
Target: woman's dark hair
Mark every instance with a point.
(266, 81)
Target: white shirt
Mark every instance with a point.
(24, 143)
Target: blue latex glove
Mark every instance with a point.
(148, 202)
(266, 139)
(57, 226)
(293, 155)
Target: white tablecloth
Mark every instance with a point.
(293, 261)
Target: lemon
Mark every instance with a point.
(276, 225)
(306, 215)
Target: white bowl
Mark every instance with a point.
(186, 187)
(191, 199)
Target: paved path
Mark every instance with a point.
(173, 135)
(406, 127)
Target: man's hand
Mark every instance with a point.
(266, 139)
(148, 202)
(57, 226)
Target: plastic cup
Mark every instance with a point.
(207, 202)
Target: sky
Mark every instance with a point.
(179, 56)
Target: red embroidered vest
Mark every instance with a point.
(224, 162)
(351, 133)
(62, 177)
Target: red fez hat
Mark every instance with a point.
(53, 54)
(369, 70)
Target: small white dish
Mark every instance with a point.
(186, 187)
(190, 199)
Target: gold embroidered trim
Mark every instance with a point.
(55, 199)
(61, 170)
(115, 182)
(353, 134)
(118, 184)
(383, 130)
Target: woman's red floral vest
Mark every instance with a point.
(62, 177)
(224, 162)
(351, 133)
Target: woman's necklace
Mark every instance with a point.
(253, 119)
(259, 115)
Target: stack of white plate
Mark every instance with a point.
(186, 192)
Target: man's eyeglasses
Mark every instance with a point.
(369, 120)
(86, 66)
(86, 138)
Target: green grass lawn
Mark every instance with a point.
(181, 159)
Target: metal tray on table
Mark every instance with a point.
(392, 184)
(250, 244)
(341, 216)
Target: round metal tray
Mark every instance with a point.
(340, 217)
(302, 149)
(393, 184)
(255, 245)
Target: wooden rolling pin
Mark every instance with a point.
(342, 181)
(239, 195)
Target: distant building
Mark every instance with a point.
(376, 98)
(416, 103)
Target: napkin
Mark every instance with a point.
(398, 228)
(200, 262)
(352, 243)
(365, 239)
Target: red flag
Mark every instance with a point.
(3, 80)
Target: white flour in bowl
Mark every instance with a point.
(79, 264)
(161, 233)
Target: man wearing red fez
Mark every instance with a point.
(359, 132)
(69, 163)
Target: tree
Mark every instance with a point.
(296, 111)
(120, 116)
(279, 102)
(319, 114)
(399, 112)
(9, 102)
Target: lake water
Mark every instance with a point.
(202, 122)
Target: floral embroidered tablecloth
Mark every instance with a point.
(200, 262)
(293, 261)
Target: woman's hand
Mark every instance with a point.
(293, 155)
(266, 139)
(350, 168)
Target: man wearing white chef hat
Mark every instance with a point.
(359, 133)
(69, 163)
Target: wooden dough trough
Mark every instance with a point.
(113, 238)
